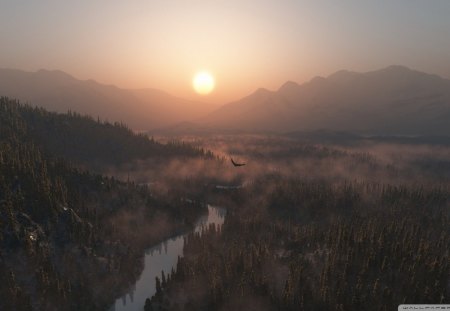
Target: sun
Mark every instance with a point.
(203, 83)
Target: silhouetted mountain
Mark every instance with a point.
(57, 91)
(395, 100)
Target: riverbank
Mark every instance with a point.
(162, 257)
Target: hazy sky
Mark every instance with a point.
(244, 44)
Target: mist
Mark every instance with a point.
(291, 158)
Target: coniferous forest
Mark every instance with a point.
(354, 227)
(72, 239)
(317, 246)
(309, 226)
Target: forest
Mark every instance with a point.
(363, 226)
(317, 246)
(311, 224)
(58, 219)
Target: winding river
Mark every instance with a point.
(162, 257)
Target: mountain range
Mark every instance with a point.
(392, 101)
(141, 109)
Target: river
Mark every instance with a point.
(162, 257)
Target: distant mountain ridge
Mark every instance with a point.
(392, 101)
(58, 91)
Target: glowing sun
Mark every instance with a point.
(203, 83)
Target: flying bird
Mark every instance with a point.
(236, 164)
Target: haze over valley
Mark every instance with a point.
(394, 100)
(391, 101)
(142, 109)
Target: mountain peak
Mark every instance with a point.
(397, 68)
(289, 85)
(261, 91)
(317, 79)
(54, 73)
(403, 72)
(59, 91)
(342, 74)
(367, 102)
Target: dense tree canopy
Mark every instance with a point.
(63, 224)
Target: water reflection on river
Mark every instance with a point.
(162, 257)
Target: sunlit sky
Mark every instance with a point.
(244, 44)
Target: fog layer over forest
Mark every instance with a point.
(312, 223)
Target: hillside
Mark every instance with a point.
(391, 101)
(58, 91)
(92, 143)
(57, 220)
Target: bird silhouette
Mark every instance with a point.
(236, 164)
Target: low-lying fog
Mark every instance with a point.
(271, 155)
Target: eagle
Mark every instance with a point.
(236, 164)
